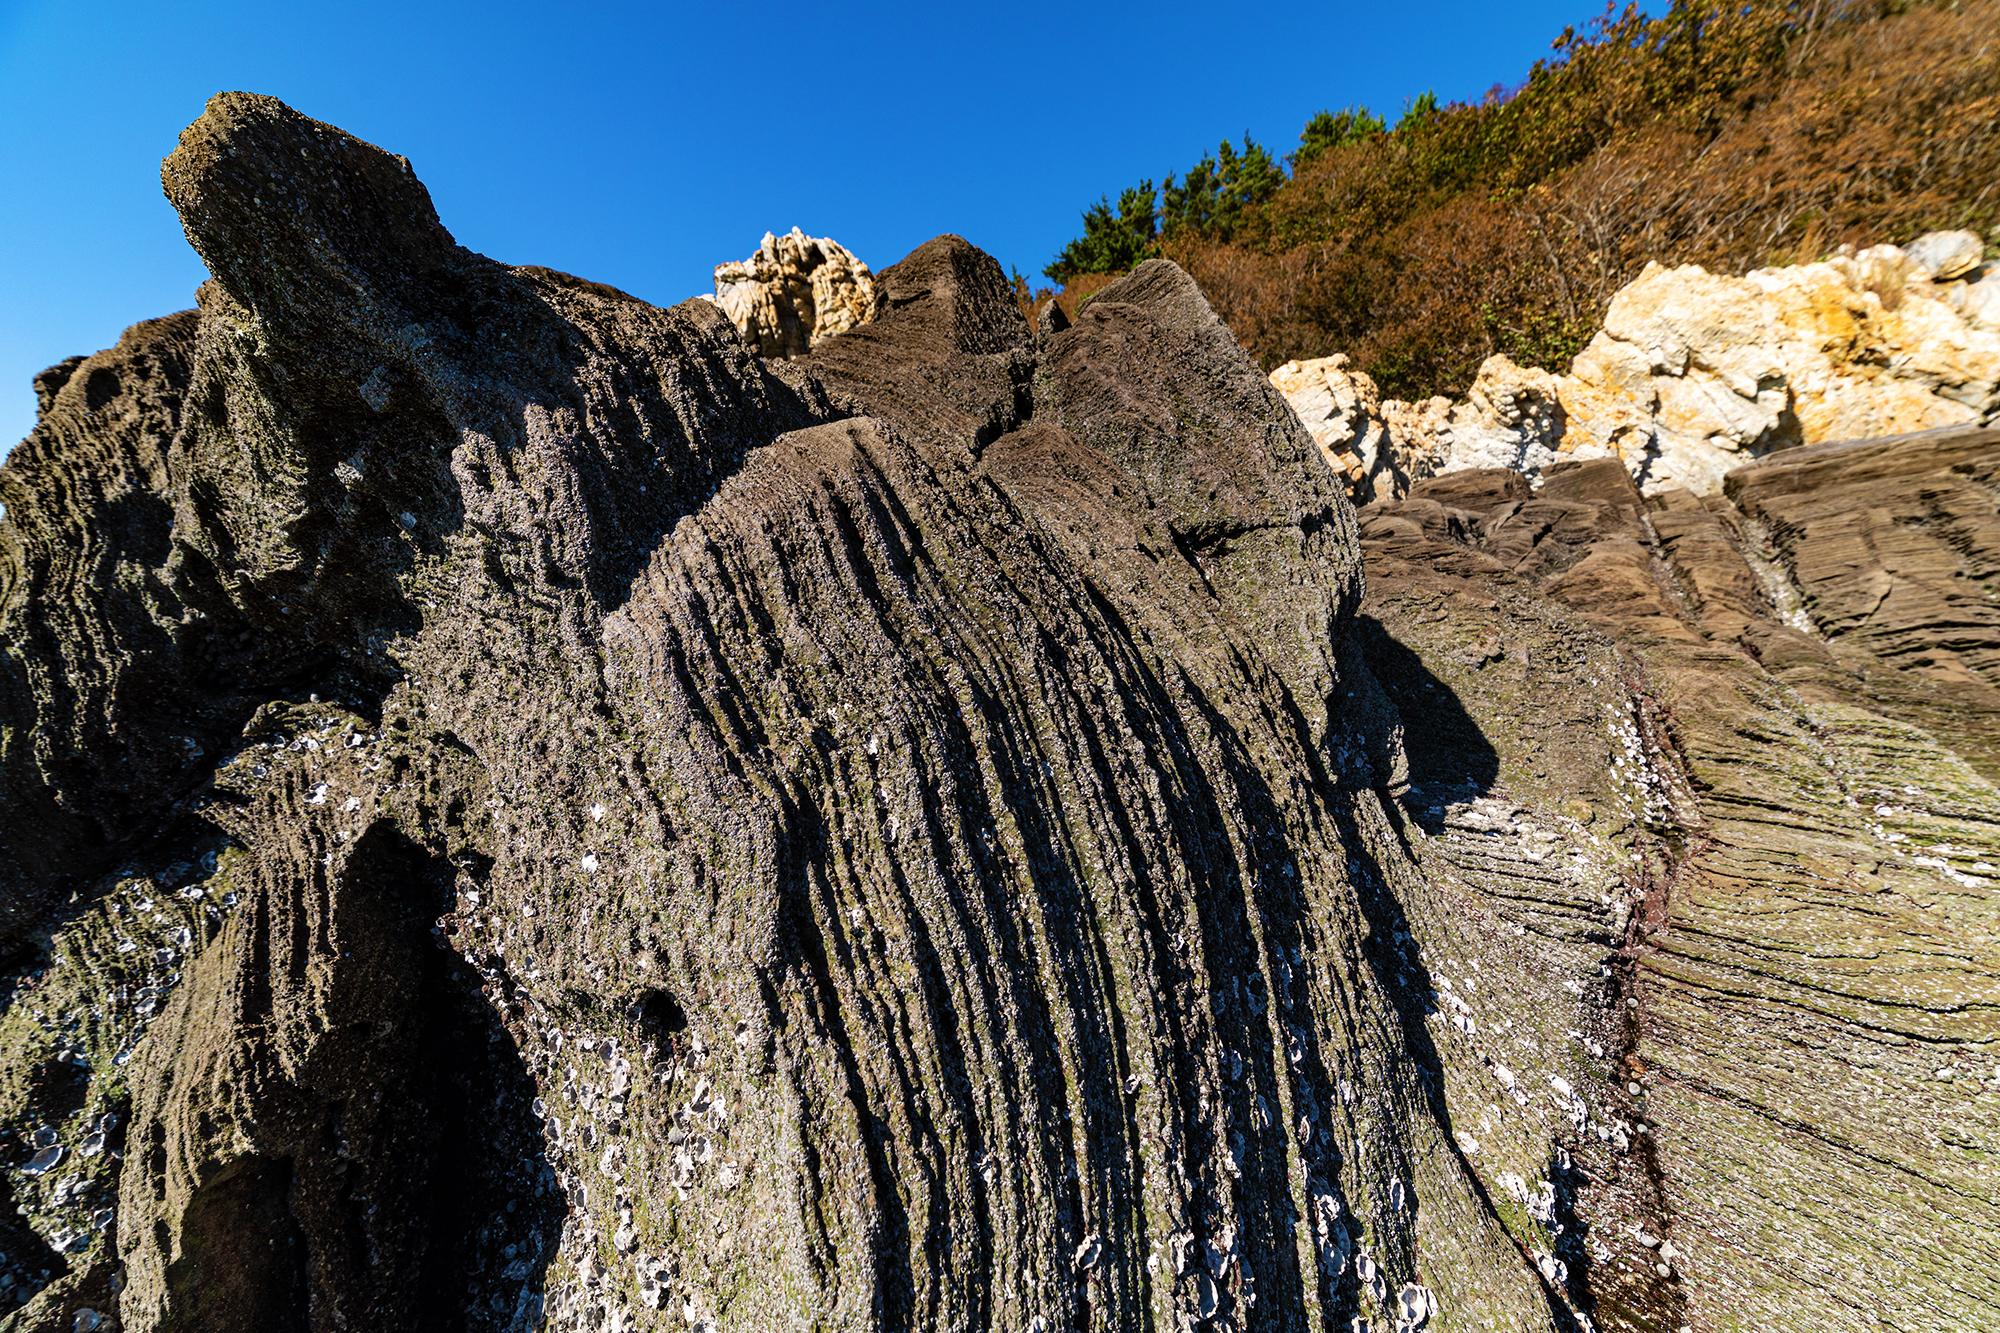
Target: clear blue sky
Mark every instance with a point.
(641, 144)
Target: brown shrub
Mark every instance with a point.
(1726, 135)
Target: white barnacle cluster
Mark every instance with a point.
(1540, 1201)
(610, 1265)
(1332, 1240)
(1924, 835)
(1525, 1093)
(1415, 1306)
(1641, 781)
(336, 758)
(1543, 859)
(1203, 1272)
(584, 1083)
(1569, 1102)
(1369, 1274)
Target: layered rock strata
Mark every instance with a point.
(1781, 706)
(535, 816)
(521, 812)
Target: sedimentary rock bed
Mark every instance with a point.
(1798, 678)
(521, 813)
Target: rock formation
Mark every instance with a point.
(1778, 710)
(795, 292)
(1695, 373)
(518, 811)
(1341, 409)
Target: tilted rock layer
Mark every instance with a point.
(1695, 373)
(795, 292)
(1801, 689)
(520, 812)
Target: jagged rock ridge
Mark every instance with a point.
(795, 291)
(521, 812)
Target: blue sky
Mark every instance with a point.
(642, 144)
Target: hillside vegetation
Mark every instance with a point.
(1726, 134)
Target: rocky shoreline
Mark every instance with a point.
(522, 809)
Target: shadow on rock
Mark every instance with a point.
(1449, 756)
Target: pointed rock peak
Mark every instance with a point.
(1050, 319)
(948, 286)
(1164, 288)
(281, 207)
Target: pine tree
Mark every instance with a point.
(1113, 240)
(1336, 129)
(1210, 200)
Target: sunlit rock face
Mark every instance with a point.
(522, 811)
(1695, 373)
(1750, 698)
(795, 292)
(1341, 409)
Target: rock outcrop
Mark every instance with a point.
(671, 837)
(522, 812)
(795, 292)
(1695, 373)
(1780, 708)
(1944, 255)
(1341, 409)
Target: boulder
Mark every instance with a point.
(795, 292)
(1944, 255)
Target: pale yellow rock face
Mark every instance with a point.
(795, 292)
(1695, 373)
(1944, 255)
(1512, 417)
(1417, 431)
(1341, 408)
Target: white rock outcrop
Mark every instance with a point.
(795, 292)
(1342, 410)
(1511, 417)
(1944, 255)
(1695, 373)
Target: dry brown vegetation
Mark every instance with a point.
(1721, 134)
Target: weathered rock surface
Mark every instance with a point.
(1944, 255)
(669, 837)
(795, 292)
(1341, 409)
(1695, 373)
(521, 812)
(1780, 707)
